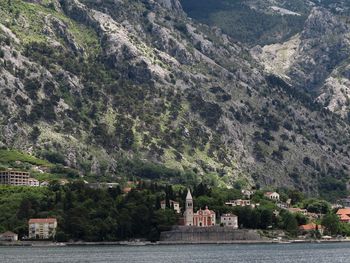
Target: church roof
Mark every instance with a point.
(189, 196)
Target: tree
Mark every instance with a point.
(290, 224)
(317, 206)
(265, 218)
(331, 223)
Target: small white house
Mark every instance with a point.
(33, 182)
(229, 220)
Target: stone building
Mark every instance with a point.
(42, 228)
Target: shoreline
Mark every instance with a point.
(166, 243)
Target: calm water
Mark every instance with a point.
(310, 253)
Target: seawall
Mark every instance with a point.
(214, 234)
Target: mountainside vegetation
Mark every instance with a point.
(86, 214)
(135, 88)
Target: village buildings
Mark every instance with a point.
(241, 203)
(238, 202)
(229, 220)
(42, 228)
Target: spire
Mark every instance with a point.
(189, 196)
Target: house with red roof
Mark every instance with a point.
(311, 227)
(344, 215)
(42, 228)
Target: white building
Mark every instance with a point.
(8, 236)
(33, 182)
(248, 193)
(272, 196)
(42, 228)
(238, 202)
(229, 220)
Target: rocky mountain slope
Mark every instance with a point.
(316, 59)
(97, 85)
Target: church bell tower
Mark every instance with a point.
(189, 209)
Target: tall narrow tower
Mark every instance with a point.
(189, 209)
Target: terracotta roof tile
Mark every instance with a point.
(42, 220)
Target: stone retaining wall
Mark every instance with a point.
(208, 234)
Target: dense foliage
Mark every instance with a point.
(243, 23)
(89, 214)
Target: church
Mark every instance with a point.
(202, 218)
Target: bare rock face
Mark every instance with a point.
(172, 5)
(315, 60)
(322, 22)
(324, 45)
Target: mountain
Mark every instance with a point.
(316, 59)
(121, 88)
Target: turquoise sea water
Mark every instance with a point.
(308, 253)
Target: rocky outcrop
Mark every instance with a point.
(315, 59)
(172, 5)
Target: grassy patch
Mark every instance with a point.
(8, 156)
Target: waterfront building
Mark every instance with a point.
(173, 204)
(229, 220)
(272, 196)
(311, 227)
(14, 178)
(202, 218)
(8, 236)
(42, 228)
